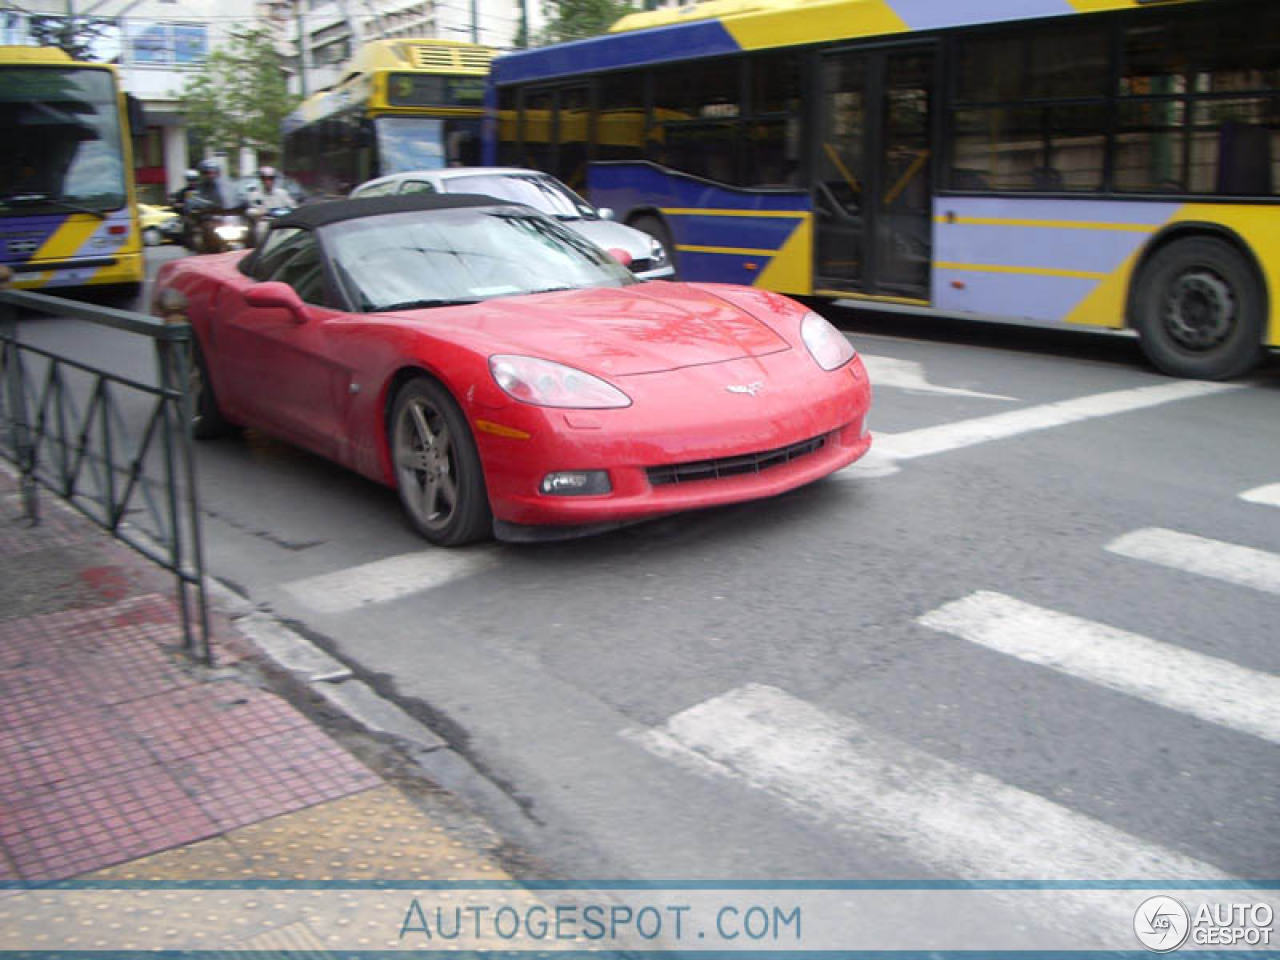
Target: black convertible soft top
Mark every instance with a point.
(314, 215)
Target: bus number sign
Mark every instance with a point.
(427, 90)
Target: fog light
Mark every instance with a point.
(576, 483)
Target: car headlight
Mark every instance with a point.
(229, 232)
(829, 347)
(544, 383)
(657, 253)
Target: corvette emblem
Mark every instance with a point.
(754, 387)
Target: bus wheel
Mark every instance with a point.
(1198, 310)
(658, 230)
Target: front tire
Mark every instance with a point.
(207, 421)
(152, 236)
(437, 466)
(1198, 309)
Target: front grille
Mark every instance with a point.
(733, 466)
(432, 57)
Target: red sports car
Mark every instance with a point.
(506, 376)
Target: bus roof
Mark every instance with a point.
(26, 55)
(453, 56)
(720, 27)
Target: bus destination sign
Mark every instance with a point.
(428, 90)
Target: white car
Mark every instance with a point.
(543, 192)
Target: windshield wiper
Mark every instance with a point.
(419, 304)
(550, 290)
(23, 198)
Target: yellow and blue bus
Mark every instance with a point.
(403, 105)
(68, 206)
(1109, 163)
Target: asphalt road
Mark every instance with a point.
(1034, 636)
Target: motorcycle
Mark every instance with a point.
(211, 230)
(260, 218)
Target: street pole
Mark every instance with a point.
(475, 24)
(302, 48)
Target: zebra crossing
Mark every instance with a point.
(965, 823)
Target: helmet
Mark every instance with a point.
(267, 172)
(208, 166)
(192, 175)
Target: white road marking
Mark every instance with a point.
(389, 579)
(1268, 495)
(966, 433)
(1245, 566)
(962, 823)
(1205, 687)
(910, 375)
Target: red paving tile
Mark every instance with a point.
(112, 747)
(65, 829)
(205, 718)
(263, 778)
(69, 746)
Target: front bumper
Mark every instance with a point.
(674, 423)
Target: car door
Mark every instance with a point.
(290, 379)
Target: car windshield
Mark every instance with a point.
(542, 193)
(415, 259)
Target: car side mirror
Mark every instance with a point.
(620, 255)
(606, 213)
(274, 294)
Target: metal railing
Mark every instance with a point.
(63, 425)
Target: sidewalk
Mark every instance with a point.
(124, 761)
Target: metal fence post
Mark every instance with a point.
(16, 399)
(174, 358)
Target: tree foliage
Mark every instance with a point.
(75, 35)
(575, 19)
(240, 95)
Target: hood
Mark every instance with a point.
(607, 234)
(619, 332)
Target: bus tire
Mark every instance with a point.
(1198, 309)
(655, 228)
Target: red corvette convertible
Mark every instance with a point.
(506, 376)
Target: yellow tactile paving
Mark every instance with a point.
(377, 834)
(297, 939)
(213, 859)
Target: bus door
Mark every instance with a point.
(555, 132)
(872, 195)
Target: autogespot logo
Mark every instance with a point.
(1161, 924)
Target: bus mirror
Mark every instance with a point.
(137, 119)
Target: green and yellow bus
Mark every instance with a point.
(403, 105)
(68, 202)
(1107, 163)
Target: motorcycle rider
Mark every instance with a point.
(267, 195)
(180, 195)
(210, 197)
(179, 201)
(213, 190)
(266, 200)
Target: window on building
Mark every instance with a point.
(180, 44)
